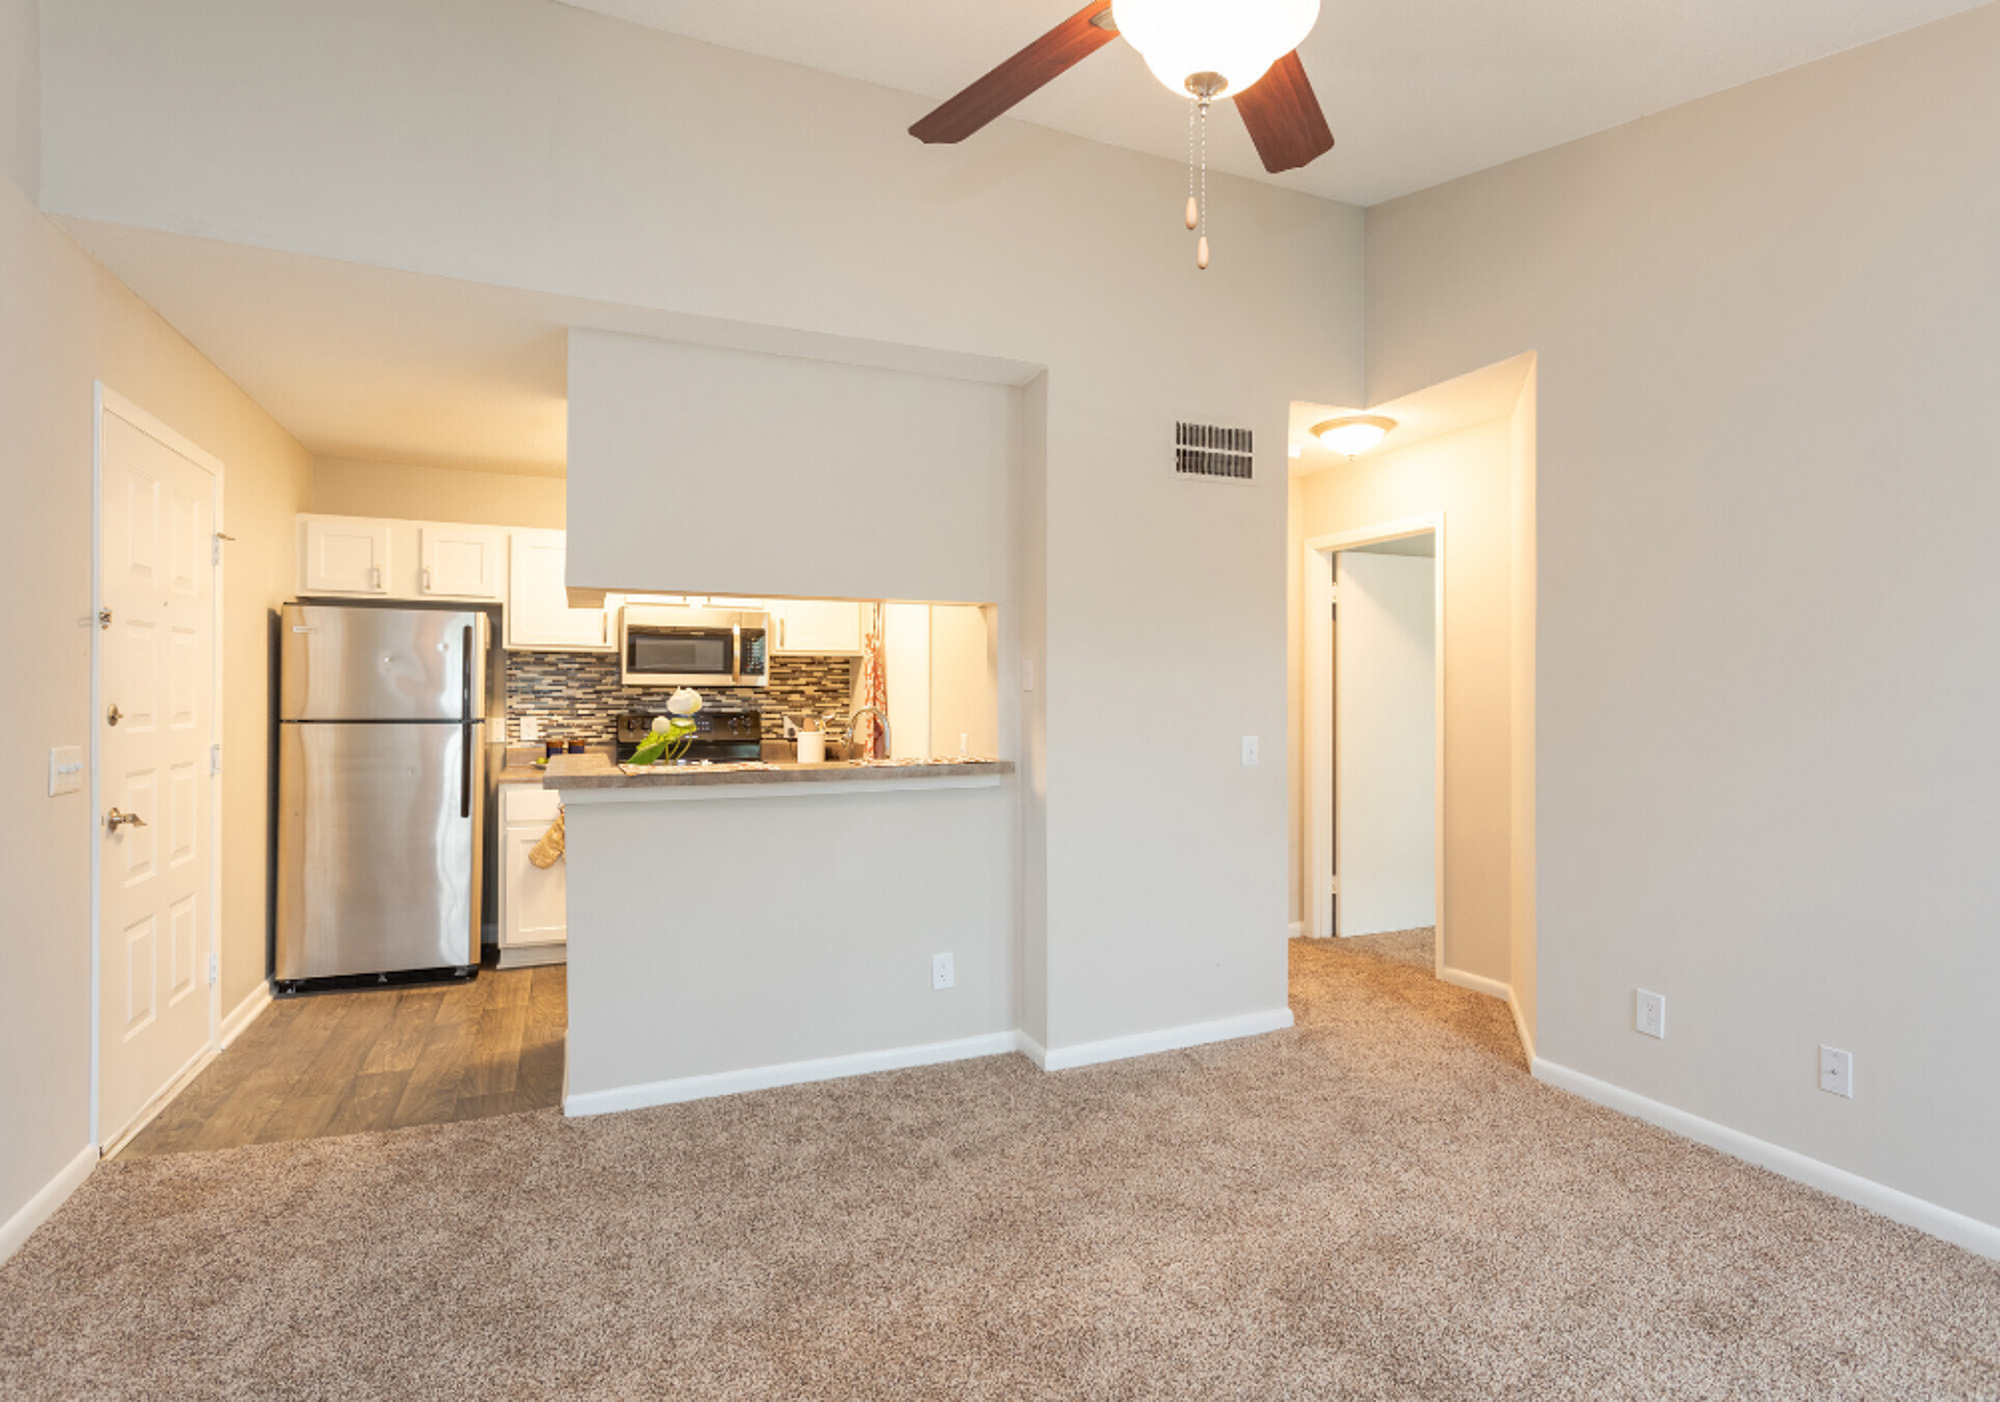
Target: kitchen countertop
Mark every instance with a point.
(598, 771)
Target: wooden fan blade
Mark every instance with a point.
(1284, 117)
(1055, 53)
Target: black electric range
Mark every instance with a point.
(724, 733)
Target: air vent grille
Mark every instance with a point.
(1204, 450)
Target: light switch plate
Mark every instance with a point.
(1836, 1072)
(65, 770)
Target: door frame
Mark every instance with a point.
(102, 399)
(1319, 717)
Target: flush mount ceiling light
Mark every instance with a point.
(1353, 434)
(1246, 50)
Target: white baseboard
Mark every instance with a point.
(1192, 1034)
(245, 1013)
(532, 956)
(830, 1068)
(1491, 987)
(1956, 1228)
(1296, 930)
(1521, 1026)
(43, 1205)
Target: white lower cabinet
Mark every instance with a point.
(534, 919)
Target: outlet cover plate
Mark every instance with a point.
(1836, 1072)
(942, 974)
(1650, 1014)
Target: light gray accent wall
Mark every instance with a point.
(1769, 662)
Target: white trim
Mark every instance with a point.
(238, 1022)
(829, 1068)
(1295, 930)
(824, 788)
(1898, 1206)
(42, 1206)
(102, 399)
(162, 1098)
(1491, 987)
(1521, 1026)
(1191, 1034)
(1319, 720)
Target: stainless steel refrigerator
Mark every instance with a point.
(381, 790)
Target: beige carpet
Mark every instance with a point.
(1418, 947)
(1378, 1203)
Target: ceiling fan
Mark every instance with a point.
(1246, 50)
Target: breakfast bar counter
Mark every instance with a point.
(577, 775)
(740, 926)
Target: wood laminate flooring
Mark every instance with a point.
(325, 1064)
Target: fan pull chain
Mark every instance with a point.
(1201, 244)
(1193, 215)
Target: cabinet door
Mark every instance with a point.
(342, 555)
(533, 904)
(460, 562)
(538, 611)
(817, 626)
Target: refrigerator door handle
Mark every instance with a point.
(467, 738)
(465, 675)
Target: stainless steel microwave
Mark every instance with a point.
(666, 645)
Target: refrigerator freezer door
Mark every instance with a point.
(348, 663)
(378, 850)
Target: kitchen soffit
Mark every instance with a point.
(1417, 91)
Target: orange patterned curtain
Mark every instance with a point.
(874, 687)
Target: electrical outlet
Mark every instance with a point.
(1249, 751)
(1651, 1017)
(531, 729)
(1836, 1072)
(941, 973)
(1027, 674)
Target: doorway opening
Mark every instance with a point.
(1375, 737)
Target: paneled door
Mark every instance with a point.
(155, 777)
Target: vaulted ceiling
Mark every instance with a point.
(1417, 91)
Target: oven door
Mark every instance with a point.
(697, 657)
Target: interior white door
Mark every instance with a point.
(1385, 743)
(155, 782)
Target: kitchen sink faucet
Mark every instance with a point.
(879, 714)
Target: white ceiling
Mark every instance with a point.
(1417, 91)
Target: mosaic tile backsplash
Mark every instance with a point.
(577, 695)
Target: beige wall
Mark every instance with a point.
(347, 487)
(1466, 475)
(1768, 656)
(64, 323)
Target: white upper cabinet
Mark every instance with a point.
(538, 611)
(343, 555)
(822, 626)
(460, 562)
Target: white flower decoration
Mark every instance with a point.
(684, 702)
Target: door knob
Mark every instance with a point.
(114, 715)
(116, 820)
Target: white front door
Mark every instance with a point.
(155, 786)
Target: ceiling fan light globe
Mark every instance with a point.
(1240, 39)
